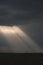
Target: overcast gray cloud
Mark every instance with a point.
(14, 11)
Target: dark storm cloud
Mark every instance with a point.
(9, 15)
(14, 11)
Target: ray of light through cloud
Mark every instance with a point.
(18, 39)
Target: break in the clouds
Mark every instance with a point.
(16, 40)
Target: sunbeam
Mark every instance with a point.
(19, 40)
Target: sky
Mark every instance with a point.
(28, 16)
(14, 11)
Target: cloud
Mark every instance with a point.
(10, 14)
